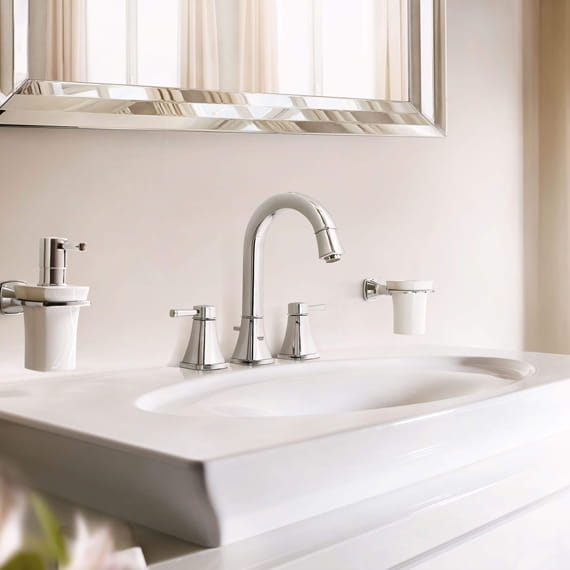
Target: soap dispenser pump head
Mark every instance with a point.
(53, 260)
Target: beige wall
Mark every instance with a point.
(554, 144)
(164, 215)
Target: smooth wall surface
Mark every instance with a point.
(554, 171)
(164, 215)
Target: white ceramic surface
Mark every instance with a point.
(51, 337)
(52, 293)
(409, 300)
(342, 387)
(51, 332)
(441, 517)
(409, 285)
(409, 312)
(192, 470)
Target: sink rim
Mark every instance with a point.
(71, 404)
(513, 370)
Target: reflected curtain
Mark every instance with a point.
(6, 54)
(258, 46)
(199, 59)
(66, 52)
(554, 175)
(391, 42)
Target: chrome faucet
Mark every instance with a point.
(251, 347)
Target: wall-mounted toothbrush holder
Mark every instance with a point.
(409, 301)
(51, 309)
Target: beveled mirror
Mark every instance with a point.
(368, 67)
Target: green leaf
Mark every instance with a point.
(50, 528)
(25, 561)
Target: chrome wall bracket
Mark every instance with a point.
(371, 289)
(9, 305)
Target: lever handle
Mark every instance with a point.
(183, 312)
(81, 246)
(203, 312)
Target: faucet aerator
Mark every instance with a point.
(329, 246)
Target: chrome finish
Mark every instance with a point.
(440, 64)
(299, 343)
(203, 352)
(14, 60)
(183, 312)
(82, 246)
(9, 305)
(371, 289)
(28, 100)
(53, 260)
(84, 105)
(53, 269)
(7, 45)
(27, 303)
(251, 347)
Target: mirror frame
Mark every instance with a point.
(38, 102)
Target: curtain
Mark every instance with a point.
(554, 175)
(199, 45)
(66, 53)
(257, 46)
(391, 43)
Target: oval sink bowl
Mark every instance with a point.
(341, 386)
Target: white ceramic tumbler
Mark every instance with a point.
(51, 337)
(409, 299)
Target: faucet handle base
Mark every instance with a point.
(203, 352)
(251, 347)
(313, 356)
(192, 366)
(298, 343)
(246, 362)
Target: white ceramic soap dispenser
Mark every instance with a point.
(51, 308)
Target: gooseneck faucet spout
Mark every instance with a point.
(251, 347)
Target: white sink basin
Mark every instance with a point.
(218, 457)
(343, 386)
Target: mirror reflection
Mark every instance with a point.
(338, 48)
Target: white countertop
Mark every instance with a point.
(99, 405)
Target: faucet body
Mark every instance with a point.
(251, 347)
